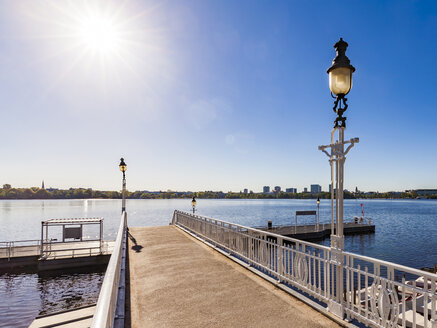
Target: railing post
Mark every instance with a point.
(279, 253)
(42, 238)
(336, 305)
(250, 246)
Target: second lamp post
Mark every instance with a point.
(193, 204)
(123, 168)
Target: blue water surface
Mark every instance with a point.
(406, 230)
(406, 233)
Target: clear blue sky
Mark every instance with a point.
(215, 95)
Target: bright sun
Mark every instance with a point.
(99, 34)
(101, 40)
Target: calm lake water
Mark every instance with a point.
(406, 233)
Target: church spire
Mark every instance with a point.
(42, 185)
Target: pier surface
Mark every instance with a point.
(177, 281)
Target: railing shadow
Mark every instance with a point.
(137, 248)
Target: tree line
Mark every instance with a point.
(7, 192)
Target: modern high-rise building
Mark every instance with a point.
(291, 190)
(266, 189)
(316, 189)
(305, 189)
(330, 188)
(277, 189)
(245, 190)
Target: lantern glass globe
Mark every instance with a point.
(340, 80)
(122, 165)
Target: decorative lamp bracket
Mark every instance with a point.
(340, 106)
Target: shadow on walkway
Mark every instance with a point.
(137, 248)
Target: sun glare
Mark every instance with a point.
(99, 34)
(103, 44)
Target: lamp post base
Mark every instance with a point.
(336, 308)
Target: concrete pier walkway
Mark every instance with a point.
(177, 281)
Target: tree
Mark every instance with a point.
(42, 194)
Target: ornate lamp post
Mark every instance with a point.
(193, 204)
(340, 83)
(123, 168)
(318, 208)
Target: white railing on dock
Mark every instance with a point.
(376, 293)
(52, 249)
(13, 248)
(110, 305)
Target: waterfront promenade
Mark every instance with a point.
(177, 281)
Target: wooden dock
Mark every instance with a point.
(61, 255)
(75, 318)
(310, 232)
(177, 281)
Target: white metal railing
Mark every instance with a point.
(374, 292)
(112, 290)
(18, 248)
(50, 249)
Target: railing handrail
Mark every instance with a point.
(395, 265)
(302, 242)
(20, 241)
(266, 233)
(106, 303)
(52, 241)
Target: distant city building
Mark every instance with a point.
(291, 190)
(277, 189)
(330, 188)
(245, 190)
(266, 189)
(316, 189)
(356, 190)
(305, 189)
(423, 192)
